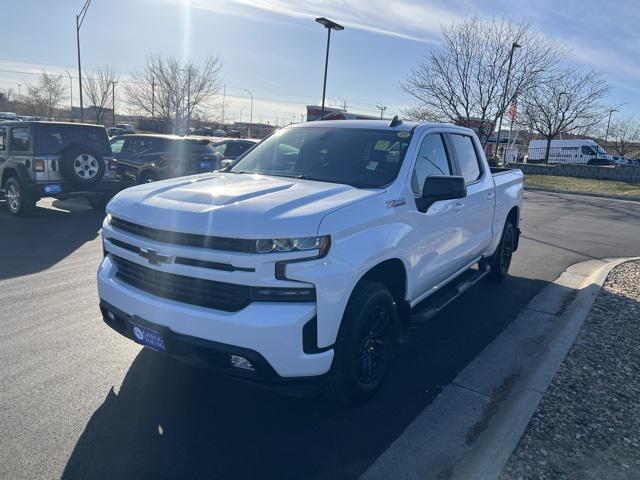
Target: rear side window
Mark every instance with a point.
(235, 149)
(20, 139)
(432, 160)
(467, 157)
(55, 138)
(3, 139)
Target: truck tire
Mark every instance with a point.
(82, 166)
(365, 344)
(501, 259)
(19, 202)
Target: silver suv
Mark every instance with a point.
(55, 159)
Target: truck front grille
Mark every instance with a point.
(188, 239)
(228, 297)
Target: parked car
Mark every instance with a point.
(306, 263)
(219, 133)
(55, 159)
(121, 129)
(232, 149)
(577, 151)
(148, 158)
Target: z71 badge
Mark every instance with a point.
(396, 203)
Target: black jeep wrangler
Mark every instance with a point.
(55, 159)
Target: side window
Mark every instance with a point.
(3, 139)
(221, 148)
(116, 145)
(432, 160)
(467, 157)
(20, 139)
(587, 150)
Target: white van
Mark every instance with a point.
(581, 151)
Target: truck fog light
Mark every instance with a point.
(241, 362)
(111, 316)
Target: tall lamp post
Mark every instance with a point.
(113, 103)
(382, 108)
(70, 95)
(251, 115)
(329, 25)
(606, 135)
(514, 45)
(79, 20)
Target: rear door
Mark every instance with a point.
(476, 210)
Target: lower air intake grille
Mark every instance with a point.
(195, 291)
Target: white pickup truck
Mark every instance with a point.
(307, 261)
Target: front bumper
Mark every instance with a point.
(271, 334)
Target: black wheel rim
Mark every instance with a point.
(373, 347)
(507, 250)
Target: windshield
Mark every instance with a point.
(363, 158)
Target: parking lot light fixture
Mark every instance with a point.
(606, 135)
(514, 45)
(79, 20)
(251, 114)
(329, 25)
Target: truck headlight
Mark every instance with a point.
(107, 219)
(294, 244)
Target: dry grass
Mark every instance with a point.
(586, 185)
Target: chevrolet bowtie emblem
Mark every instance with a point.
(153, 257)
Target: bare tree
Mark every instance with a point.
(464, 78)
(172, 91)
(624, 135)
(565, 102)
(99, 91)
(45, 96)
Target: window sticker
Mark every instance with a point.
(372, 165)
(382, 145)
(403, 134)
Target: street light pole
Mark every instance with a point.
(79, 20)
(113, 103)
(382, 108)
(329, 25)
(251, 116)
(70, 95)
(188, 99)
(514, 45)
(606, 135)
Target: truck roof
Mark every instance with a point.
(406, 126)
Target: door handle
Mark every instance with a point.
(490, 195)
(458, 206)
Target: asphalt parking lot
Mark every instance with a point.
(79, 401)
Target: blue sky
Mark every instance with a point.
(276, 50)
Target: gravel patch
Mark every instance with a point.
(587, 425)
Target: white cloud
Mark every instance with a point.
(400, 18)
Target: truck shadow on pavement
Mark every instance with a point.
(45, 237)
(170, 420)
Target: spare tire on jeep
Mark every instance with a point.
(82, 166)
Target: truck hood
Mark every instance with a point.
(235, 205)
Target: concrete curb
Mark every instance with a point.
(472, 427)
(584, 194)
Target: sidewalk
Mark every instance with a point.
(587, 425)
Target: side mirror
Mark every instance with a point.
(441, 187)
